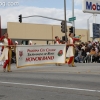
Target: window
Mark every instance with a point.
(25, 42)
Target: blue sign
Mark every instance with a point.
(91, 6)
(96, 30)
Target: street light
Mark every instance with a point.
(88, 21)
(88, 24)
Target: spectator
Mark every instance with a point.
(16, 42)
(30, 42)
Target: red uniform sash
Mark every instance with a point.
(9, 42)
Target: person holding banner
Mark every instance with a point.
(57, 40)
(7, 52)
(71, 49)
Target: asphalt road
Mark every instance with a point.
(50, 82)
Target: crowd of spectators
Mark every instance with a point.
(87, 52)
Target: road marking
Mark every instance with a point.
(47, 86)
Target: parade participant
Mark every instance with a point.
(7, 52)
(71, 49)
(57, 40)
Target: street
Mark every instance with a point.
(50, 82)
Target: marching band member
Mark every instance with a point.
(57, 40)
(7, 52)
(71, 49)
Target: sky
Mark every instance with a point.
(11, 9)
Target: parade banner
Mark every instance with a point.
(28, 55)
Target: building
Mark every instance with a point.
(40, 33)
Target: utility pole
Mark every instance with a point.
(73, 22)
(65, 20)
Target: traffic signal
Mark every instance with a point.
(63, 27)
(20, 18)
(71, 29)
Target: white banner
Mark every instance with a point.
(27, 55)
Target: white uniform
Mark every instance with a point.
(70, 49)
(4, 55)
(1, 62)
